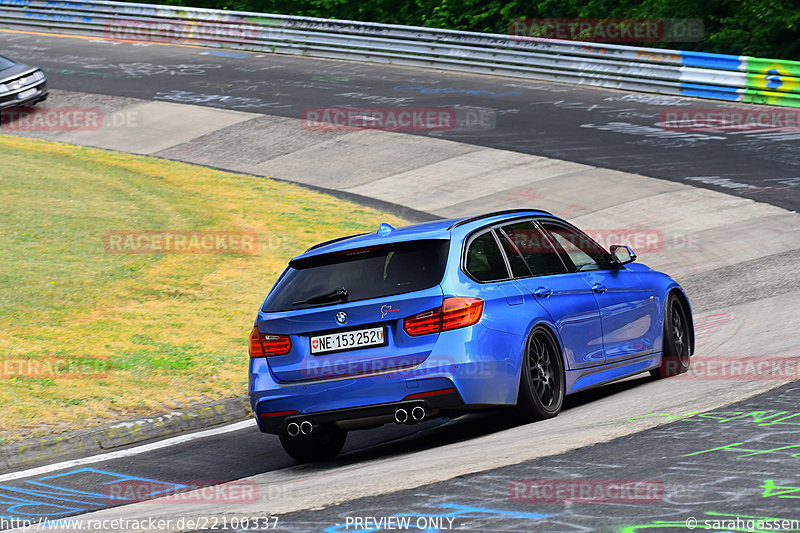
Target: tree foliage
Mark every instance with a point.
(762, 28)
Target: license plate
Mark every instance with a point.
(25, 94)
(348, 340)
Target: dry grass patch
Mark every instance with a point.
(121, 335)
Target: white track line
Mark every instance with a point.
(128, 452)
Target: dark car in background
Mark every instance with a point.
(20, 84)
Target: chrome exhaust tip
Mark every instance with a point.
(293, 429)
(306, 427)
(418, 413)
(400, 415)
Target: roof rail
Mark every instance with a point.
(321, 244)
(495, 213)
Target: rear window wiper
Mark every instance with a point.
(339, 294)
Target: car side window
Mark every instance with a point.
(580, 249)
(484, 260)
(535, 248)
(518, 266)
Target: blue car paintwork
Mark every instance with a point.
(626, 313)
(603, 336)
(573, 310)
(299, 364)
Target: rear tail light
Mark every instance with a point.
(427, 322)
(461, 312)
(457, 312)
(266, 345)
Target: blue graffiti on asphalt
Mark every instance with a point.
(31, 499)
(459, 510)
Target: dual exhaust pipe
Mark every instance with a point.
(303, 428)
(404, 416)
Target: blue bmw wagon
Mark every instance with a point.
(516, 308)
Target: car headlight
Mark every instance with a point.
(3, 88)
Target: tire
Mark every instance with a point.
(321, 446)
(676, 355)
(541, 387)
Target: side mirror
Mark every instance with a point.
(622, 254)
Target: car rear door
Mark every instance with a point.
(565, 296)
(485, 263)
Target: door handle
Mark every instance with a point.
(542, 292)
(599, 288)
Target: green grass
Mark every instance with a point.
(122, 335)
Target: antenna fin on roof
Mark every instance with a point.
(385, 229)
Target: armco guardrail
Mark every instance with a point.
(653, 70)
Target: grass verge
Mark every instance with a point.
(89, 336)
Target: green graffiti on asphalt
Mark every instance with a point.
(734, 445)
(760, 418)
(771, 489)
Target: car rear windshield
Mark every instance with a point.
(359, 274)
(6, 63)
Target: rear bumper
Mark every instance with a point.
(464, 359)
(362, 417)
(364, 401)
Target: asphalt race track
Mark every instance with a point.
(713, 449)
(608, 129)
(697, 481)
